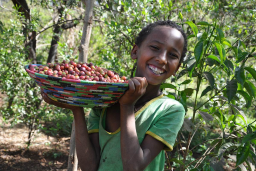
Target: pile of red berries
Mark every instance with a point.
(78, 71)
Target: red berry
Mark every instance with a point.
(123, 78)
(82, 69)
(110, 73)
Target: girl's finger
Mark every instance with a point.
(142, 81)
(131, 86)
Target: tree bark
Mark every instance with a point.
(56, 37)
(30, 35)
(72, 147)
(83, 48)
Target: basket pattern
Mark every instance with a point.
(90, 94)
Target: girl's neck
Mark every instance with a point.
(152, 92)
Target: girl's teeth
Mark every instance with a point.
(156, 70)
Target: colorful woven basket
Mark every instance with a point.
(90, 94)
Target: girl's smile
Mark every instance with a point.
(155, 70)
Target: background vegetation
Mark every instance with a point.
(216, 83)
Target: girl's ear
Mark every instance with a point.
(134, 52)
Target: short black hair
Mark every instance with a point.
(148, 29)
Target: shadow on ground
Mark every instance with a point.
(45, 153)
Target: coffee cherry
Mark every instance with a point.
(80, 70)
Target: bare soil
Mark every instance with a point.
(44, 153)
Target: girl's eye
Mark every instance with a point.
(172, 55)
(154, 47)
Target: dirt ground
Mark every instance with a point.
(45, 153)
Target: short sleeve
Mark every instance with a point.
(93, 121)
(167, 125)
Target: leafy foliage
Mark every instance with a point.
(216, 82)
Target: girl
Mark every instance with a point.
(132, 134)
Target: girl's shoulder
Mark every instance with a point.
(165, 100)
(164, 104)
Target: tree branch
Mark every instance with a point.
(76, 19)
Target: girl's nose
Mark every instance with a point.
(162, 57)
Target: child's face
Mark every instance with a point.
(158, 57)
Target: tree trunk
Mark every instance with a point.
(83, 48)
(72, 149)
(30, 35)
(56, 37)
(83, 53)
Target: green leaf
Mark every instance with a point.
(235, 51)
(253, 156)
(189, 91)
(225, 42)
(192, 71)
(206, 90)
(181, 73)
(210, 61)
(198, 51)
(177, 161)
(251, 71)
(253, 50)
(247, 98)
(206, 116)
(170, 5)
(223, 53)
(219, 48)
(183, 100)
(186, 82)
(243, 44)
(210, 78)
(239, 74)
(188, 125)
(239, 111)
(214, 58)
(224, 147)
(242, 153)
(203, 36)
(171, 96)
(249, 137)
(241, 56)
(220, 34)
(167, 85)
(229, 64)
(190, 36)
(250, 88)
(203, 23)
(193, 27)
(231, 89)
(180, 16)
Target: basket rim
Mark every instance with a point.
(71, 80)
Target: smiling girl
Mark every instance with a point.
(132, 134)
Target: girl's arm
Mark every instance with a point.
(87, 146)
(135, 156)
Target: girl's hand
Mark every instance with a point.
(137, 87)
(58, 104)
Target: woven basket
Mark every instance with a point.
(90, 94)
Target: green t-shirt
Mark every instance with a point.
(160, 118)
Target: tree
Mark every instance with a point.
(216, 82)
